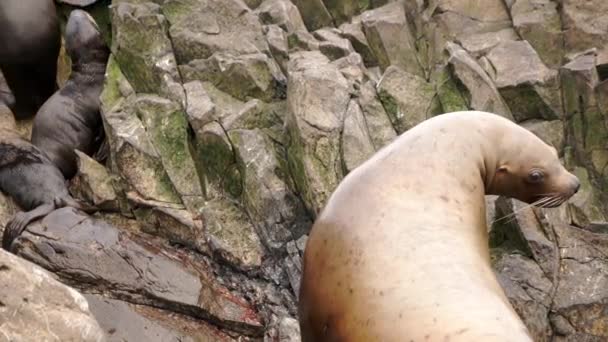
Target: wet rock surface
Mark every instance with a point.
(229, 123)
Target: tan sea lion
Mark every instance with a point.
(400, 251)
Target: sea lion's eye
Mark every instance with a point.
(535, 176)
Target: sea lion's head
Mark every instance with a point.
(530, 170)
(83, 40)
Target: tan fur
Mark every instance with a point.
(400, 251)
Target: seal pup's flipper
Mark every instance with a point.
(16, 226)
(61, 202)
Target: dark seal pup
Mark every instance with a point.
(70, 119)
(30, 40)
(33, 181)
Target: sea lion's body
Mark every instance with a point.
(30, 40)
(70, 119)
(32, 180)
(400, 251)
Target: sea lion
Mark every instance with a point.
(400, 251)
(70, 119)
(33, 181)
(30, 39)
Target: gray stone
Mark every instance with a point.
(407, 98)
(244, 76)
(539, 22)
(586, 26)
(37, 307)
(357, 145)
(129, 322)
(482, 92)
(390, 38)
(353, 31)
(314, 13)
(380, 129)
(201, 28)
(314, 123)
(527, 85)
(282, 13)
(133, 268)
(93, 183)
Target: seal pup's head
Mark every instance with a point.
(83, 40)
(530, 170)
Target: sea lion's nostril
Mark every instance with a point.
(577, 185)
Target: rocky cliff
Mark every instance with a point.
(230, 122)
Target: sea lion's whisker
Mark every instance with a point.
(515, 212)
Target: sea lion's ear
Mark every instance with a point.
(502, 169)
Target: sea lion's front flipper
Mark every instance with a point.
(61, 202)
(16, 226)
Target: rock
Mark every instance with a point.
(585, 123)
(479, 44)
(551, 132)
(377, 120)
(252, 75)
(253, 4)
(129, 322)
(314, 13)
(585, 206)
(357, 145)
(482, 92)
(582, 284)
(518, 230)
(451, 93)
(8, 208)
(407, 98)
(201, 28)
(353, 69)
(166, 124)
(143, 50)
(314, 123)
(527, 85)
(302, 41)
(37, 307)
(293, 262)
(343, 10)
(273, 207)
(586, 26)
(216, 157)
(279, 47)
(528, 290)
(354, 33)
(390, 38)
(93, 183)
(282, 13)
(461, 18)
(174, 224)
(133, 268)
(132, 155)
(201, 110)
(332, 45)
(539, 23)
(230, 234)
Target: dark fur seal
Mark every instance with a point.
(30, 40)
(33, 181)
(70, 119)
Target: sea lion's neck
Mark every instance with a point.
(87, 73)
